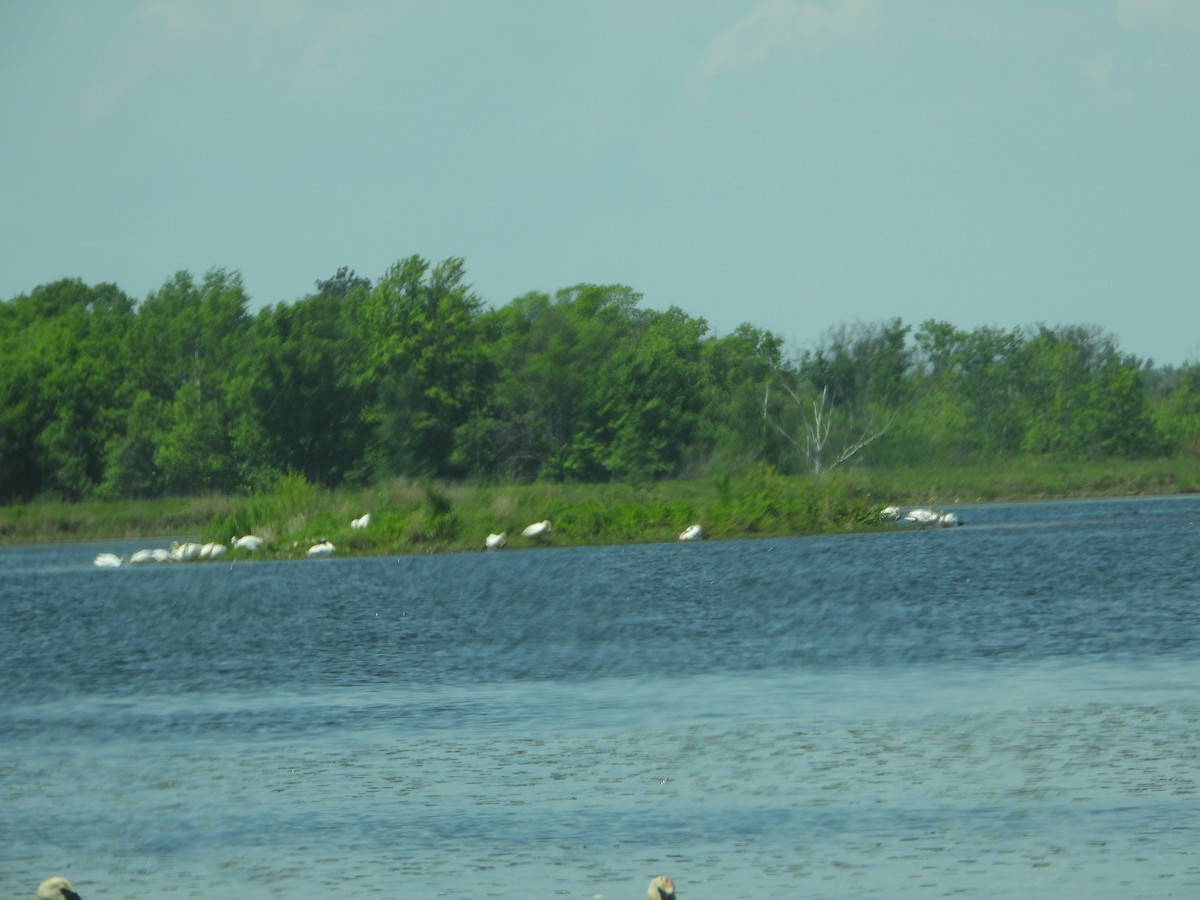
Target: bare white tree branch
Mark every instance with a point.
(817, 429)
(863, 441)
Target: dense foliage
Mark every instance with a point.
(188, 392)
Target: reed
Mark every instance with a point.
(1041, 479)
(409, 516)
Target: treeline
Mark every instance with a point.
(188, 392)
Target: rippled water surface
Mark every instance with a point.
(1007, 709)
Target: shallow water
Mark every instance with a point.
(1007, 709)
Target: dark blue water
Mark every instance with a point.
(1008, 708)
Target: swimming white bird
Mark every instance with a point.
(691, 533)
(141, 556)
(212, 550)
(185, 552)
(56, 888)
(495, 541)
(922, 516)
(321, 548)
(949, 519)
(160, 554)
(890, 513)
(361, 522)
(537, 530)
(250, 542)
(661, 888)
(108, 560)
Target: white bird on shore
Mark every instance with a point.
(922, 516)
(249, 542)
(692, 533)
(108, 560)
(890, 513)
(185, 552)
(537, 530)
(495, 541)
(323, 547)
(361, 522)
(661, 888)
(56, 888)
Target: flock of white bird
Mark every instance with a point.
(185, 552)
(190, 551)
(921, 516)
(58, 888)
(538, 531)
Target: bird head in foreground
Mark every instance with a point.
(56, 888)
(661, 888)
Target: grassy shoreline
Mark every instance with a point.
(412, 517)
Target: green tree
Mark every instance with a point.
(308, 389)
(969, 395)
(548, 411)
(60, 348)
(732, 434)
(849, 393)
(132, 470)
(1176, 407)
(1081, 397)
(186, 348)
(343, 284)
(861, 365)
(195, 448)
(426, 359)
(651, 397)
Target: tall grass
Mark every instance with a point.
(426, 517)
(1041, 479)
(48, 521)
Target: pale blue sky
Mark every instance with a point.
(797, 164)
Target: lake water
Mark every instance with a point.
(1006, 709)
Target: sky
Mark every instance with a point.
(800, 165)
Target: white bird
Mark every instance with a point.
(185, 552)
(250, 542)
(661, 888)
(537, 530)
(108, 560)
(141, 556)
(495, 541)
(212, 550)
(56, 888)
(361, 522)
(922, 516)
(321, 548)
(160, 554)
(890, 513)
(692, 533)
(949, 519)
